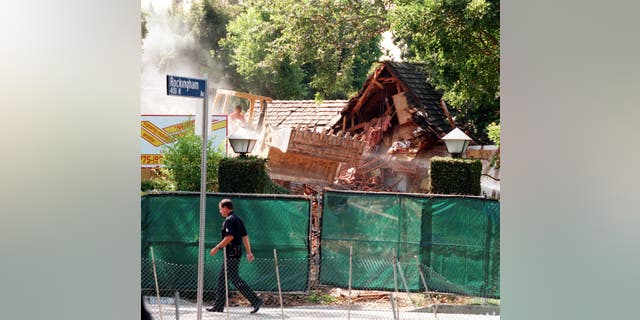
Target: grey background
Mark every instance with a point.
(569, 210)
(70, 98)
(69, 168)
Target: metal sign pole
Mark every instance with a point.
(196, 88)
(203, 200)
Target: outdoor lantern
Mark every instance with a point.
(242, 143)
(457, 142)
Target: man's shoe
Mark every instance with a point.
(213, 309)
(257, 307)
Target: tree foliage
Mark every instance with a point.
(247, 41)
(161, 180)
(183, 160)
(306, 46)
(493, 131)
(299, 49)
(460, 40)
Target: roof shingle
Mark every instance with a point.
(300, 113)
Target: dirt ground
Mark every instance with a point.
(337, 296)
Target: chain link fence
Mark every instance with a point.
(165, 298)
(326, 274)
(455, 239)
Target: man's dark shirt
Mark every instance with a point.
(233, 226)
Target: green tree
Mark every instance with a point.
(460, 41)
(247, 41)
(299, 49)
(183, 160)
(493, 131)
(321, 48)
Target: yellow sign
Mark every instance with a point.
(161, 134)
(158, 131)
(217, 125)
(150, 138)
(151, 159)
(179, 127)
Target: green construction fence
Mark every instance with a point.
(170, 225)
(397, 240)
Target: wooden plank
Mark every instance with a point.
(363, 99)
(402, 108)
(358, 126)
(300, 168)
(344, 122)
(224, 105)
(263, 112)
(216, 100)
(251, 102)
(369, 87)
(404, 131)
(446, 112)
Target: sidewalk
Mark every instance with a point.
(311, 313)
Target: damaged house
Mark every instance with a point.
(300, 145)
(380, 140)
(403, 119)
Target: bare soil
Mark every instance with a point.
(362, 298)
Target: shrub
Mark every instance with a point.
(161, 181)
(157, 184)
(455, 176)
(183, 160)
(246, 175)
(242, 175)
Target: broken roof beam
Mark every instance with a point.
(373, 81)
(365, 96)
(447, 114)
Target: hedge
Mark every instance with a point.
(455, 176)
(246, 174)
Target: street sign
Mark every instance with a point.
(197, 88)
(186, 87)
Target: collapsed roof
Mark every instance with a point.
(392, 86)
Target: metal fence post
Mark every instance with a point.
(396, 311)
(392, 299)
(275, 260)
(155, 277)
(350, 272)
(176, 302)
(226, 280)
(434, 304)
(404, 281)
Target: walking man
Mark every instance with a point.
(233, 235)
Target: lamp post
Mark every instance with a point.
(457, 142)
(242, 143)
